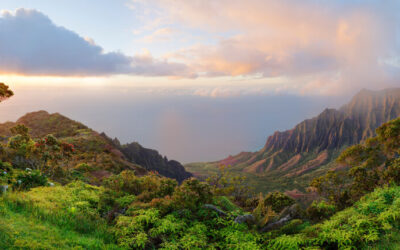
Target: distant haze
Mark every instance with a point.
(183, 127)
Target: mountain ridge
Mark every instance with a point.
(315, 142)
(108, 155)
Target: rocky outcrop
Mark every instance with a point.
(288, 214)
(246, 218)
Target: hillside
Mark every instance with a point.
(102, 155)
(150, 159)
(291, 158)
(360, 210)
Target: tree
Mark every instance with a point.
(334, 187)
(50, 152)
(5, 92)
(21, 147)
(192, 194)
(224, 182)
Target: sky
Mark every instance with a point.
(197, 80)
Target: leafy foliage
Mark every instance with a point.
(30, 179)
(318, 211)
(225, 182)
(263, 213)
(368, 221)
(5, 92)
(278, 201)
(372, 164)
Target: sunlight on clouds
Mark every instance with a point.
(160, 35)
(306, 47)
(325, 47)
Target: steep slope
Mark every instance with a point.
(301, 152)
(333, 129)
(103, 155)
(150, 159)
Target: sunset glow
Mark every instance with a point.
(228, 50)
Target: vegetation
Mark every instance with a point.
(78, 192)
(5, 92)
(372, 164)
(371, 221)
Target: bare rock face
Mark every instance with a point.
(333, 128)
(246, 218)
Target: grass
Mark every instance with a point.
(53, 218)
(19, 230)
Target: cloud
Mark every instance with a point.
(145, 64)
(162, 34)
(31, 44)
(328, 46)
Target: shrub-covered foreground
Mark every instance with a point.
(375, 219)
(70, 216)
(64, 217)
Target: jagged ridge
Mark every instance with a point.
(290, 159)
(332, 129)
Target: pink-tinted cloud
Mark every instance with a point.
(320, 45)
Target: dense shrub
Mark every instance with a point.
(278, 201)
(146, 187)
(5, 166)
(83, 168)
(368, 221)
(192, 194)
(30, 179)
(263, 213)
(147, 228)
(226, 183)
(318, 211)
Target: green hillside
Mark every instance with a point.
(100, 155)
